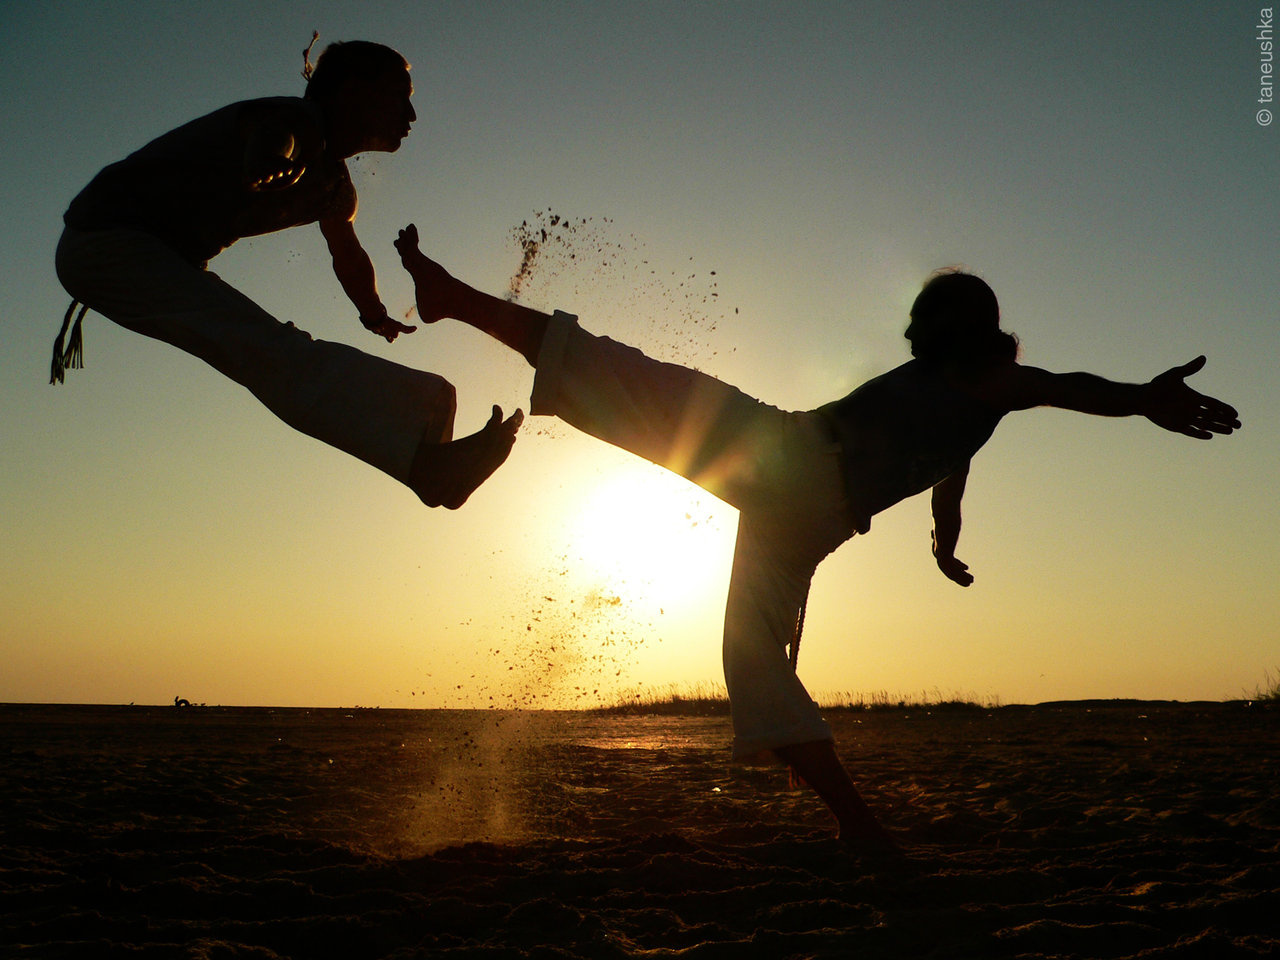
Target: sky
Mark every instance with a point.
(755, 189)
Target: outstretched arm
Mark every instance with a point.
(354, 270)
(946, 526)
(1166, 400)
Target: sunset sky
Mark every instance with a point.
(1102, 165)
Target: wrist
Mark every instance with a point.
(1144, 399)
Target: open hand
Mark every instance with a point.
(1171, 404)
(955, 570)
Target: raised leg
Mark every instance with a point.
(439, 296)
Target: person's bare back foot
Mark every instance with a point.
(446, 474)
(869, 839)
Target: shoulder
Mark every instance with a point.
(902, 377)
(299, 118)
(296, 107)
(344, 203)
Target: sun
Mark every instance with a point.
(653, 536)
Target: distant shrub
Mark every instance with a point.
(1270, 692)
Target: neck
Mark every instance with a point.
(340, 140)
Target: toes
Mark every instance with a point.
(407, 241)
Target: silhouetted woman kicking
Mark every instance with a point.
(805, 482)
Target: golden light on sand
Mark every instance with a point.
(655, 536)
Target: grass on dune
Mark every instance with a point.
(699, 699)
(1269, 692)
(710, 699)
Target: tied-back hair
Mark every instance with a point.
(343, 61)
(956, 317)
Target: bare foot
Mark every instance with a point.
(446, 474)
(868, 838)
(432, 283)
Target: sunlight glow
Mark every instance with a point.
(656, 537)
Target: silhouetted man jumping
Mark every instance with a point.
(139, 237)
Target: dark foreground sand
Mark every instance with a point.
(1080, 830)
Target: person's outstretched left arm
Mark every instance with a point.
(945, 502)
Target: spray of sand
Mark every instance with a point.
(571, 639)
(671, 306)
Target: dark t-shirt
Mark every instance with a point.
(904, 431)
(192, 187)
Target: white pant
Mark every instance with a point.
(781, 470)
(372, 408)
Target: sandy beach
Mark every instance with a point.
(1110, 829)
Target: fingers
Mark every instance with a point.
(1213, 417)
(1183, 371)
(955, 570)
(389, 329)
(1205, 429)
(1191, 413)
(1223, 414)
(1195, 366)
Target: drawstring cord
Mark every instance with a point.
(793, 778)
(72, 356)
(795, 637)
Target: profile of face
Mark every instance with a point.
(951, 307)
(921, 328)
(373, 113)
(388, 111)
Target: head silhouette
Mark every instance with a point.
(956, 317)
(365, 93)
(350, 61)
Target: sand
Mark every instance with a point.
(1077, 830)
